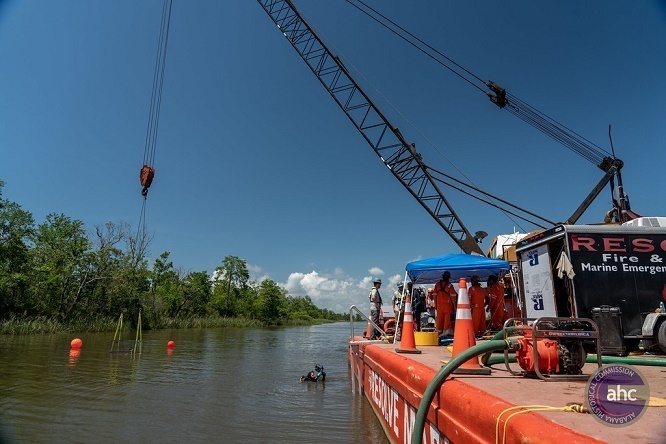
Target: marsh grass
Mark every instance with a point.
(16, 325)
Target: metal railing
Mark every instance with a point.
(353, 309)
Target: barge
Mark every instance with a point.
(499, 408)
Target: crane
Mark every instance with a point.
(399, 156)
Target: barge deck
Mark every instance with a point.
(500, 408)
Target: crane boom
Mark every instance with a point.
(400, 157)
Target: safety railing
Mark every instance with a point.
(354, 309)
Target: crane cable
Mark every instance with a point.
(560, 133)
(453, 70)
(158, 83)
(147, 171)
(489, 198)
(507, 213)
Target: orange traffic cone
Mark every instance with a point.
(407, 342)
(463, 334)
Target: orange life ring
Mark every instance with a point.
(390, 324)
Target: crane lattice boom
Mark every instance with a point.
(386, 140)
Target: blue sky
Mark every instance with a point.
(254, 158)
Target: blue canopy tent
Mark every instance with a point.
(429, 271)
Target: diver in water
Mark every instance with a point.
(316, 375)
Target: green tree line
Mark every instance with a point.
(58, 272)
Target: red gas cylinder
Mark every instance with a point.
(548, 355)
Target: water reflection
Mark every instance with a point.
(216, 385)
(74, 354)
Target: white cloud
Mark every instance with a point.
(337, 292)
(393, 281)
(257, 273)
(366, 282)
(254, 269)
(376, 271)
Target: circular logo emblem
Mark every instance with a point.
(617, 395)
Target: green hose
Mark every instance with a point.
(499, 335)
(486, 349)
(442, 374)
(635, 360)
(487, 360)
(500, 359)
(592, 359)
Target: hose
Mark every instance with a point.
(635, 360)
(592, 359)
(486, 349)
(499, 335)
(443, 373)
(487, 360)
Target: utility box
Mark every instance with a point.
(609, 321)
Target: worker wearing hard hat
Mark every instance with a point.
(375, 307)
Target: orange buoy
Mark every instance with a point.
(171, 344)
(76, 343)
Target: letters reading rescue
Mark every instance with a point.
(628, 254)
(396, 413)
(617, 244)
(386, 399)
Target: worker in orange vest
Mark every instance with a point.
(446, 298)
(495, 303)
(478, 297)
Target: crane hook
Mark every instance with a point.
(146, 178)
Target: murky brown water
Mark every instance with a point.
(218, 385)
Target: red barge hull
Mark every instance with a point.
(500, 408)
